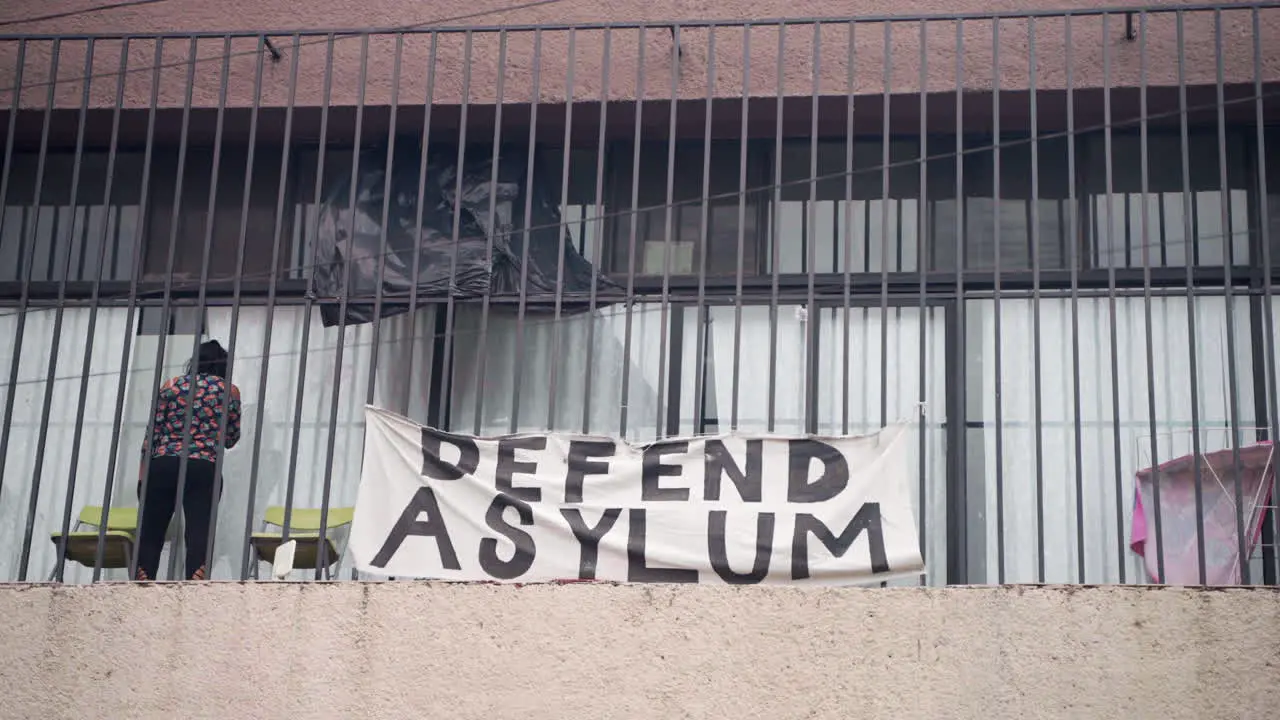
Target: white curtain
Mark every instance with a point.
(400, 384)
(556, 351)
(1096, 505)
(876, 339)
(49, 488)
(538, 361)
(405, 355)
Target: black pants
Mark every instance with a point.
(158, 507)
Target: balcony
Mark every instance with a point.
(1054, 232)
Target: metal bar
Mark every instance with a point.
(996, 314)
(884, 226)
(300, 393)
(922, 252)
(1122, 556)
(237, 287)
(743, 144)
(1189, 239)
(702, 320)
(86, 368)
(420, 205)
(1073, 233)
(1146, 297)
(517, 375)
(495, 162)
(7, 166)
(851, 93)
(814, 315)
(670, 422)
(77, 433)
(166, 307)
(958, 505)
(282, 191)
(25, 275)
(435, 26)
(1233, 396)
(1268, 311)
(450, 317)
(600, 226)
(194, 372)
(776, 233)
(122, 383)
(1034, 205)
(664, 347)
(631, 248)
(553, 381)
(387, 174)
(322, 552)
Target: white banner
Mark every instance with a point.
(537, 507)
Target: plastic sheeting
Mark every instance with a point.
(1181, 525)
(350, 256)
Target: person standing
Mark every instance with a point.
(205, 386)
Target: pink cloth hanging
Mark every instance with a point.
(1179, 525)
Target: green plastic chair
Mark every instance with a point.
(304, 529)
(82, 545)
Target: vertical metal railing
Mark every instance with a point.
(817, 250)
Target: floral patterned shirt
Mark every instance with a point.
(206, 417)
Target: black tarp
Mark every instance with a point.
(350, 263)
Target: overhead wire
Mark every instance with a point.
(329, 38)
(76, 13)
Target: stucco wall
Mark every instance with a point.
(1088, 44)
(580, 651)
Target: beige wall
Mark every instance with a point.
(1087, 44)
(456, 651)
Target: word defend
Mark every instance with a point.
(735, 509)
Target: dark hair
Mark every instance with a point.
(210, 359)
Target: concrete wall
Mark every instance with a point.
(1089, 48)
(455, 651)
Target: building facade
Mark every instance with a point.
(1045, 235)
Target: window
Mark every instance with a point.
(1210, 224)
(193, 216)
(672, 241)
(848, 220)
(1114, 415)
(578, 209)
(1008, 222)
(99, 239)
(52, 240)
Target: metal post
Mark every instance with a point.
(996, 309)
(184, 464)
(553, 381)
(517, 374)
(25, 276)
(340, 342)
(1035, 300)
(237, 287)
(166, 307)
(51, 378)
(1190, 239)
(1146, 297)
(599, 222)
(1074, 259)
(246, 549)
(126, 351)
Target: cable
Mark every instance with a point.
(333, 37)
(968, 150)
(85, 11)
